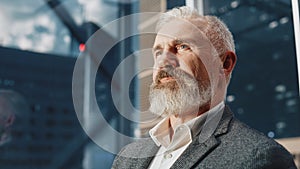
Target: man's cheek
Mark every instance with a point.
(186, 67)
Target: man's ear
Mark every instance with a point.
(229, 60)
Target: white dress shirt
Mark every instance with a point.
(170, 150)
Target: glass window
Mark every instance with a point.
(31, 25)
(263, 91)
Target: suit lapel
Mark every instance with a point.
(197, 150)
(143, 162)
(145, 155)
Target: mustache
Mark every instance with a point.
(175, 73)
(162, 74)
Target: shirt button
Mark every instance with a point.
(168, 156)
(179, 128)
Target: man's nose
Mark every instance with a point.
(168, 59)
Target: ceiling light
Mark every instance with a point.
(273, 24)
(234, 4)
(284, 20)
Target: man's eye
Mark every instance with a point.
(182, 47)
(158, 53)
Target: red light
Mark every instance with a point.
(82, 47)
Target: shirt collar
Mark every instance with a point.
(183, 133)
(197, 123)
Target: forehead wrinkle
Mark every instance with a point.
(164, 39)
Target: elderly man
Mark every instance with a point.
(194, 58)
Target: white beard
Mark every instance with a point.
(186, 97)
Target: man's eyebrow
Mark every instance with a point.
(178, 41)
(157, 47)
(175, 42)
(181, 41)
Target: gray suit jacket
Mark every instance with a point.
(232, 146)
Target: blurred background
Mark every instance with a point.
(41, 40)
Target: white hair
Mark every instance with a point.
(212, 27)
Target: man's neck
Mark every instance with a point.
(176, 120)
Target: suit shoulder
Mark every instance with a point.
(241, 129)
(247, 135)
(135, 149)
(252, 148)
